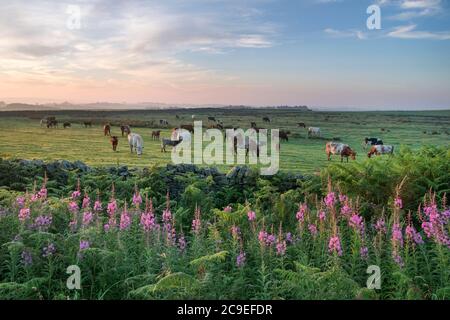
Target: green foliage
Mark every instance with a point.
(374, 180)
(135, 264)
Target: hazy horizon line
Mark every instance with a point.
(66, 106)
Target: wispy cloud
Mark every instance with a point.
(358, 34)
(410, 32)
(412, 9)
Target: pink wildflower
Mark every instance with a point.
(24, 214)
(380, 225)
(346, 210)
(334, 246)
(301, 212)
(330, 199)
(413, 236)
(196, 222)
(98, 206)
(262, 235)
(312, 229)
(20, 201)
(148, 218)
(322, 215)
(137, 199)
(125, 219)
(87, 218)
(397, 235)
(398, 202)
(42, 194)
(182, 243)
(76, 194)
(356, 222)
(281, 247)
(235, 232)
(73, 207)
(112, 207)
(86, 201)
(167, 215)
(251, 215)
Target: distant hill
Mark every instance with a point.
(23, 106)
(126, 106)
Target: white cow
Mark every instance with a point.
(337, 148)
(380, 149)
(135, 141)
(314, 131)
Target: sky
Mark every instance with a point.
(242, 52)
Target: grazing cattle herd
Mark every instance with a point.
(136, 141)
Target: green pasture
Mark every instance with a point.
(22, 136)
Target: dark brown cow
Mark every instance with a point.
(114, 142)
(167, 142)
(156, 134)
(188, 127)
(66, 125)
(253, 125)
(125, 130)
(284, 135)
(266, 119)
(107, 130)
(301, 125)
(87, 124)
(52, 124)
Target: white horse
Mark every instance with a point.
(135, 141)
(314, 131)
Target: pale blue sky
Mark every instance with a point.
(257, 52)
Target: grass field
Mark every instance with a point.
(22, 137)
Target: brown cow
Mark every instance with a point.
(188, 127)
(66, 125)
(107, 130)
(87, 124)
(253, 125)
(125, 130)
(339, 148)
(114, 142)
(301, 125)
(156, 134)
